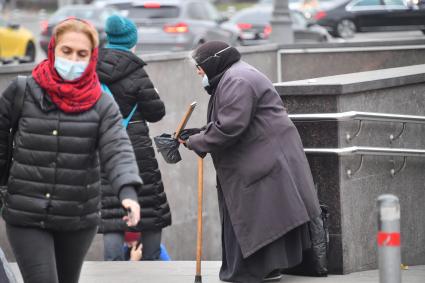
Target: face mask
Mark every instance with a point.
(205, 81)
(70, 70)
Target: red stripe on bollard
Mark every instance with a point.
(388, 239)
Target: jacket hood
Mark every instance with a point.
(113, 65)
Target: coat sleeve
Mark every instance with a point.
(115, 150)
(235, 108)
(6, 104)
(150, 105)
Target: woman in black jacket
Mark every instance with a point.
(123, 73)
(67, 129)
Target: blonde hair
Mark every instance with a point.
(77, 25)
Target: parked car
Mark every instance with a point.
(118, 4)
(292, 4)
(255, 27)
(177, 25)
(16, 42)
(345, 18)
(307, 7)
(96, 15)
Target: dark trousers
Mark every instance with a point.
(45, 256)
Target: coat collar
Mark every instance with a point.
(40, 97)
(114, 65)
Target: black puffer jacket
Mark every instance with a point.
(55, 177)
(123, 73)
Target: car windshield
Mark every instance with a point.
(367, 3)
(395, 2)
(298, 20)
(141, 12)
(290, 1)
(88, 14)
(121, 6)
(254, 17)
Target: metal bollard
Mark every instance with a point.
(388, 239)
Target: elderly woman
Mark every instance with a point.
(265, 188)
(66, 126)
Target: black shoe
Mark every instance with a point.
(273, 276)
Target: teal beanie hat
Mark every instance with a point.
(121, 32)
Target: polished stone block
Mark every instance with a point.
(353, 219)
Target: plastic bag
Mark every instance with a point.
(168, 147)
(315, 262)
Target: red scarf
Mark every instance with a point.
(70, 96)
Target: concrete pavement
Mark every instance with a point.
(184, 272)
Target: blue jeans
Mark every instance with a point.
(114, 242)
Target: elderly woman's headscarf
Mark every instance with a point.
(215, 58)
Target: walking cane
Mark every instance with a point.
(185, 119)
(198, 277)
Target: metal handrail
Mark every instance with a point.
(361, 150)
(360, 117)
(374, 151)
(355, 115)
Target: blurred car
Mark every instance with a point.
(307, 7)
(16, 42)
(292, 4)
(95, 15)
(118, 4)
(255, 27)
(178, 25)
(345, 18)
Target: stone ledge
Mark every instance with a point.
(354, 82)
(380, 42)
(345, 49)
(13, 69)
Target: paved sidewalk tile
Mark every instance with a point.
(184, 272)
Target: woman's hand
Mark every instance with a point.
(136, 252)
(133, 209)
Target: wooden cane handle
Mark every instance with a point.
(185, 119)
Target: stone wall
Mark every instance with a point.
(321, 62)
(353, 224)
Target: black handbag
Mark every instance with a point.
(315, 261)
(18, 103)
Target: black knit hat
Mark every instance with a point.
(215, 57)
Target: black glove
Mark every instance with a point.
(186, 133)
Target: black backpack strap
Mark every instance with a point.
(18, 103)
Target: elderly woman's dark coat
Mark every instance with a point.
(263, 174)
(124, 74)
(55, 177)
